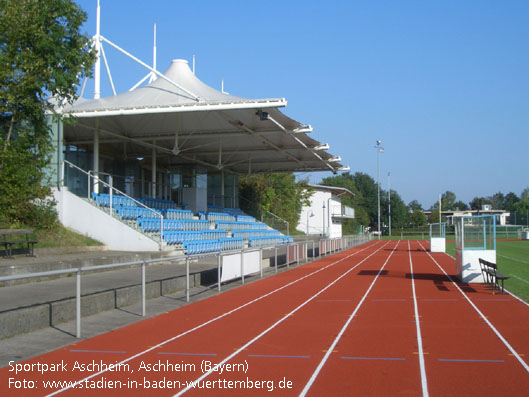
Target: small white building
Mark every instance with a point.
(325, 213)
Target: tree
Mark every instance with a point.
(414, 205)
(510, 201)
(278, 193)
(460, 205)
(447, 201)
(369, 199)
(498, 201)
(417, 218)
(42, 57)
(525, 194)
(477, 202)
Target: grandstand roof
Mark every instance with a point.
(334, 190)
(187, 122)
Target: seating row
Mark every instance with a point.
(153, 225)
(179, 237)
(255, 233)
(217, 216)
(134, 212)
(158, 203)
(241, 225)
(177, 214)
(207, 246)
(103, 200)
(268, 241)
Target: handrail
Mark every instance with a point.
(98, 180)
(79, 270)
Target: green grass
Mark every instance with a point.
(60, 236)
(512, 258)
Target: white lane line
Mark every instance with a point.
(514, 353)
(424, 382)
(198, 380)
(514, 259)
(342, 331)
(211, 320)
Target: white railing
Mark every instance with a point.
(93, 177)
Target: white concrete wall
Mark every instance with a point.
(84, 218)
(316, 222)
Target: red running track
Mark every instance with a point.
(386, 318)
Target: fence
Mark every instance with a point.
(295, 252)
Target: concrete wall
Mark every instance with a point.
(85, 218)
(315, 223)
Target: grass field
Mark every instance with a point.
(512, 258)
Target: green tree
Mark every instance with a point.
(42, 57)
(448, 199)
(460, 205)
(417, 218)
(498, 201)
(278, 193)
(522, 206)
(510, 201)
(368, 193)
(414, 205)
(477, 202)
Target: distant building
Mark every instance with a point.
(325, 213)
(486, 209)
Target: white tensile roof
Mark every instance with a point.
(188, 122)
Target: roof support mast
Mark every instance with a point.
(97, 42)
(153, 76)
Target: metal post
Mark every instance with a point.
(242, 266)
(313, 252)
(78, 303)
(187, 279)
(287, 256)
(110, 192)
(218, 271)
(297, 254)
(261, 261)
(275, 258)
(143, 289)
(389, 201)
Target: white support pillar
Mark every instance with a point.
(153, 173)
(96, 160)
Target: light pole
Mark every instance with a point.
(389, 201)
(310, 214)
(323, 217)
(380, 149)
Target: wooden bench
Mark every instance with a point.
(491, 275)
(9, 239)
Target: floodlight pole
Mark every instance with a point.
(380, 149)
(389, 201)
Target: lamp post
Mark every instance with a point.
(380, 149)
(389, 201)
(310, 214)
(323, 208)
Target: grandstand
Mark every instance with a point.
(165, 158)
(180, 229)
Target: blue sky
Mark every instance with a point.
(443, 84)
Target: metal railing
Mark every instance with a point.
(300, 253)
(96, 180)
